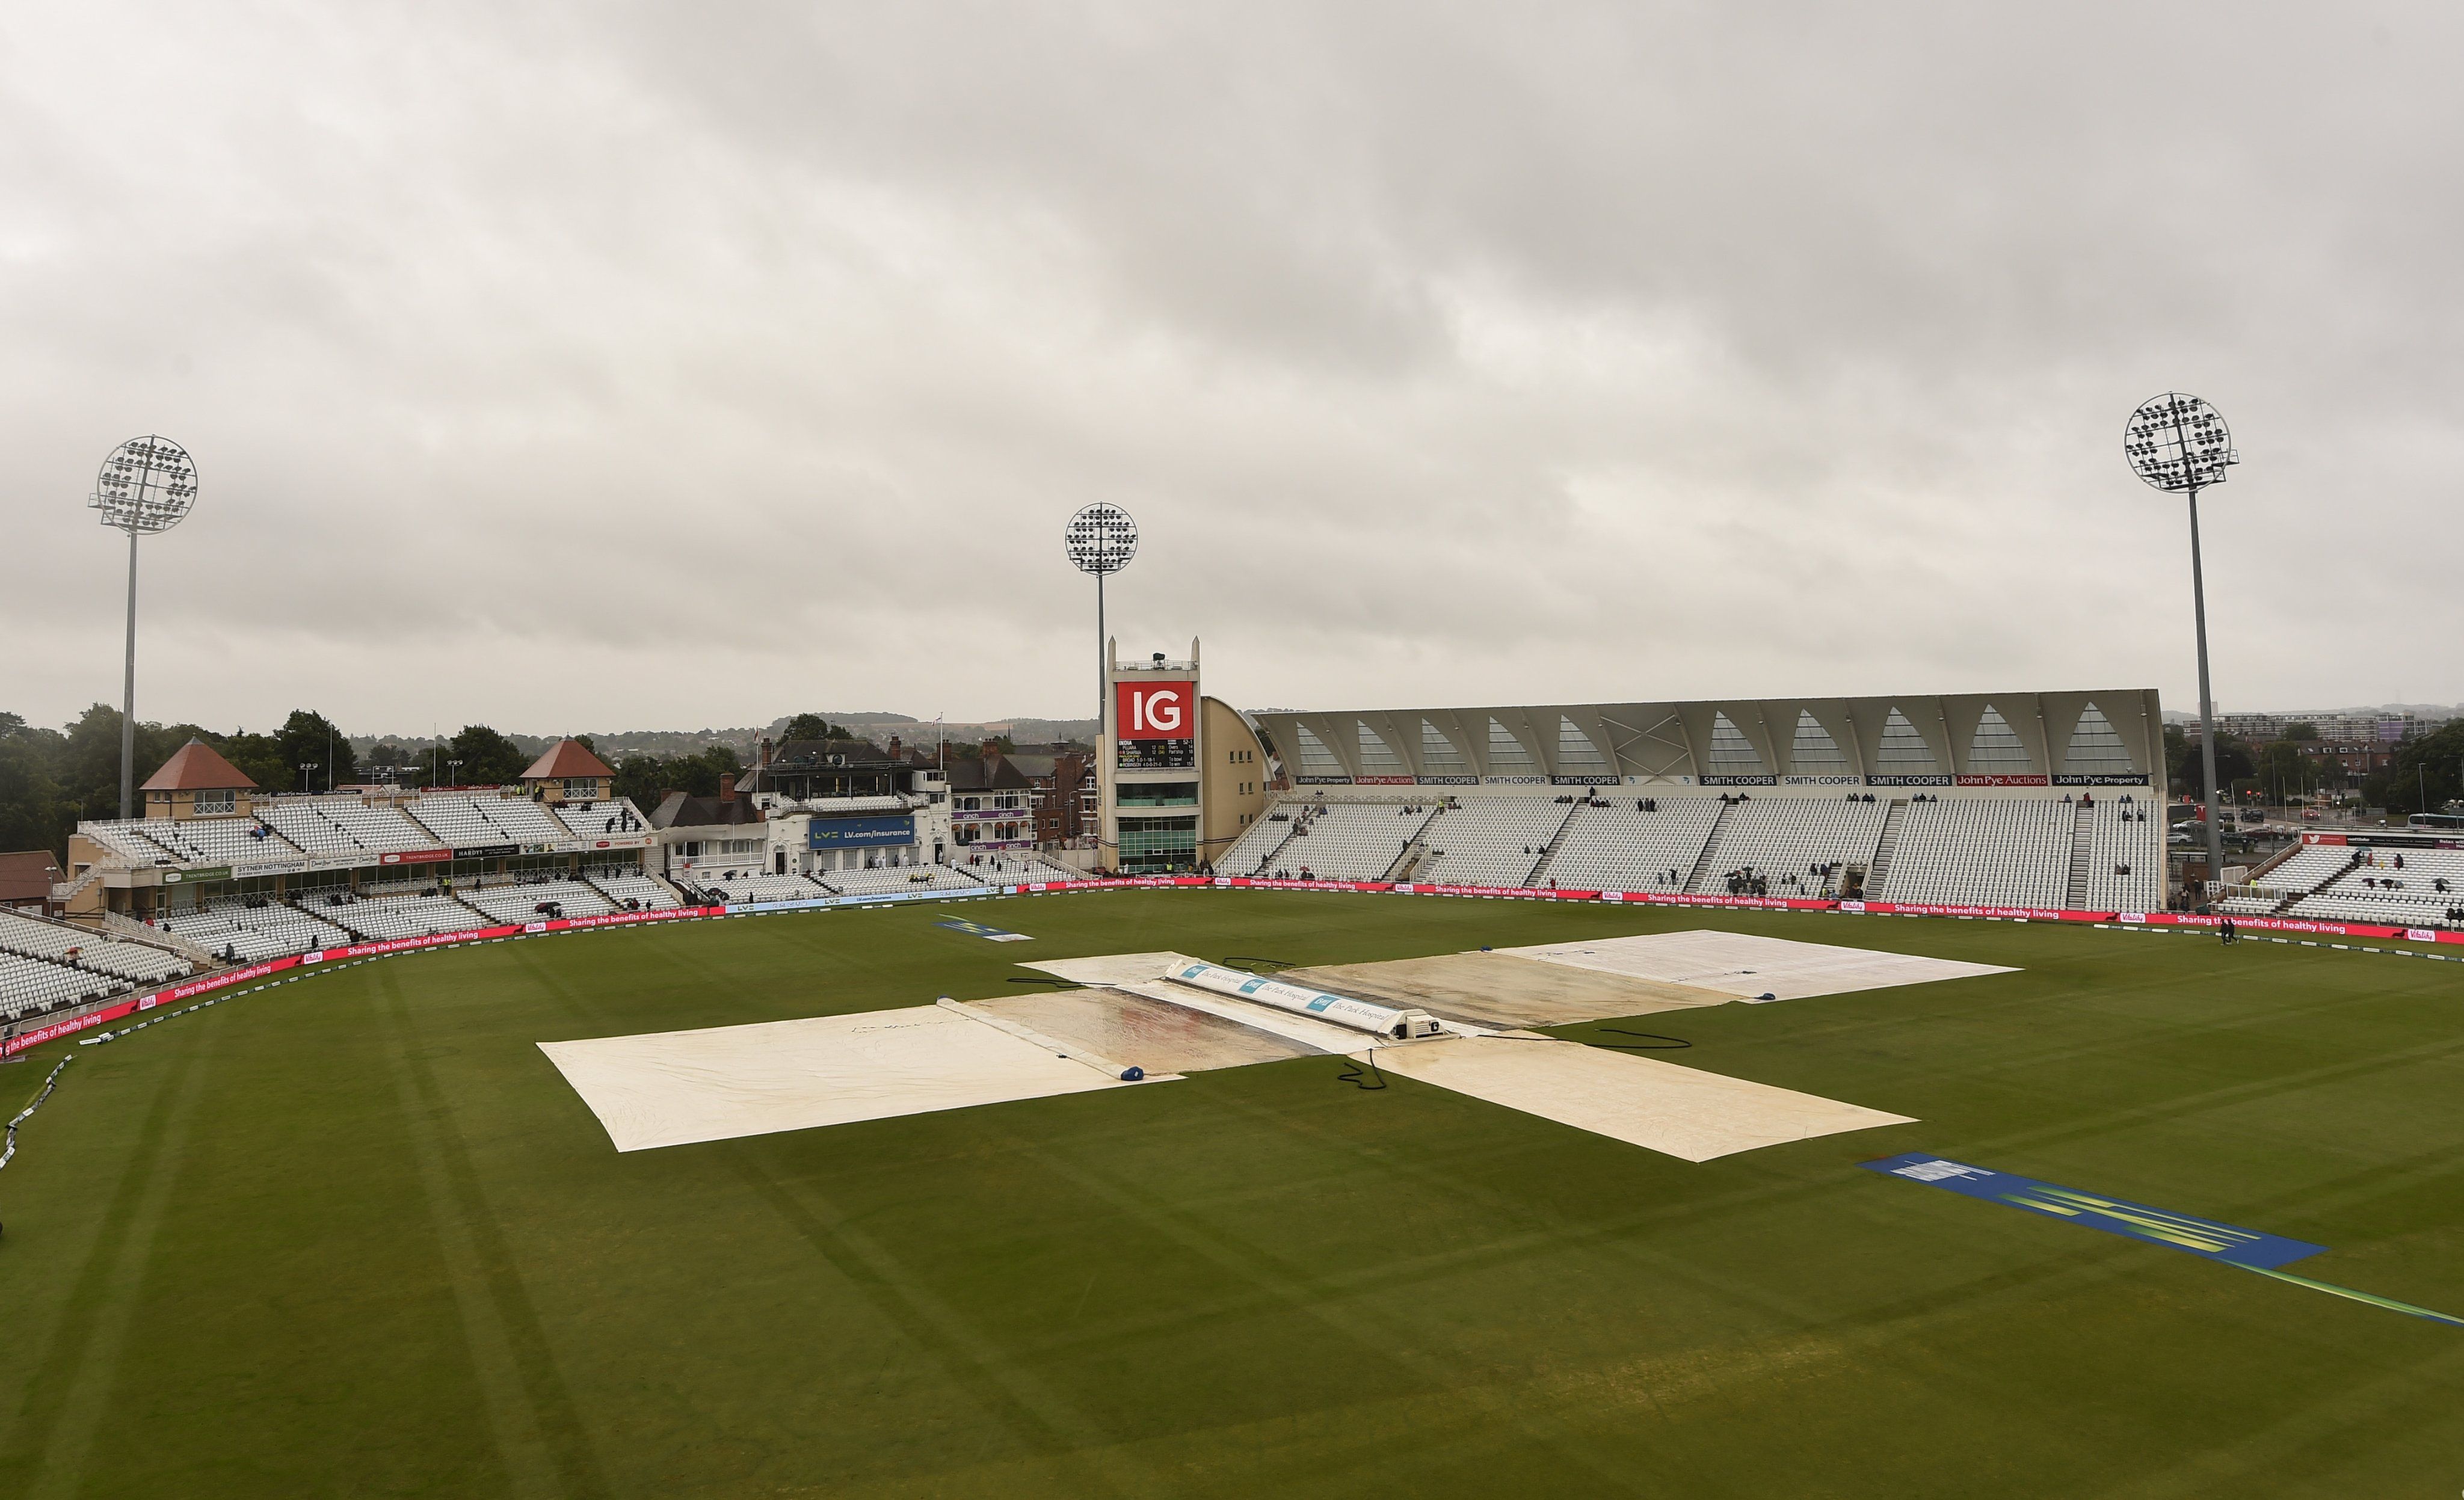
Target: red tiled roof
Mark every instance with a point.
(28, 877)
(198, 768)
(567, 760)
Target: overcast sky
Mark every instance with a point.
(601, 366)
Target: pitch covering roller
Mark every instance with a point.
(1359, 1015)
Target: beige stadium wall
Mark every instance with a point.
(1232, 791)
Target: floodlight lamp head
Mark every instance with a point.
(2177, 442)
(1101, 538)
(147, 485)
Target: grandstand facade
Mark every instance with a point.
(2030, 801)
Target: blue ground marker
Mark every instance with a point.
(2251, 1249)
(979, 930)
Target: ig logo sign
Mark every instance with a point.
(1154, 709)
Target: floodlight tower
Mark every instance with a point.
(2180, 444)
(1101, 538)
(147, 485)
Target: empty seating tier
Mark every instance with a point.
(218, 841)
(1349, 840)
(384, 917)
(1793, 846)
(239, 931)
(468, 822)
(1489, 841)
(897, 877)
(1983, 852)
(31, 986)
(78, 948)
(636, 892)
(2125, 857)
(1613, 845)
(1254, 850)
(344, 826)
(538, 901)
(599, 819)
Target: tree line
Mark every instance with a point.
(2425, 772)
(51, 779)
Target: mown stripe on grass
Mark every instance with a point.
(1029, 1409)
(69, 1392)
(537, 1426)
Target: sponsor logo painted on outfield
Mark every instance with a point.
(979, 930)
(2210, 1239)
(2217, 1241)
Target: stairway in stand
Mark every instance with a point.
(1710, 849)
(1882, 852)
(2075, 893)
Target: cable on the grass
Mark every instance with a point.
(9, 1145)
(1655, 1042)
(1355, 1075)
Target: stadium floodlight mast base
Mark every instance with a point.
(2180, 444)
(147, 485)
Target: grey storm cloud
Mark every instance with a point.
(565, 367)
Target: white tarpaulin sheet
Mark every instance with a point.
(1680, 1112)
(1113, 968)
(671, 1088)
(1741, 964)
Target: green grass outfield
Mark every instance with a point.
(354, 1235)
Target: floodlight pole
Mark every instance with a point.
(1103, 665)
(2207, 700)
(128, 684)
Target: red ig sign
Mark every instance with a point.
(1154, 709)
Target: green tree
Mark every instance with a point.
(309, 737)
(488, 757)
(2188, 770)
(813, 726)
(2301, 731)
(2427, 773)
(260, 758)
(31, 811)
(2283, 770)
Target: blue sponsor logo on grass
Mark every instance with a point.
(2249, 1248)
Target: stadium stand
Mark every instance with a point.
(524, 901)
(242, 932)
(465, 820)
(31, 986)
(1983, 852)
(2376, 889)
(1491, 841)
(1014, 866)
(33, 937)
(634, 892)
(381, 917)
(218, 841)
(2125, 857)
(598, 819)
(1615, 845)
(1253, 852)
(1351, 839)
(756, 886)
(898, 877)
(1794, 846)
(344, 826)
